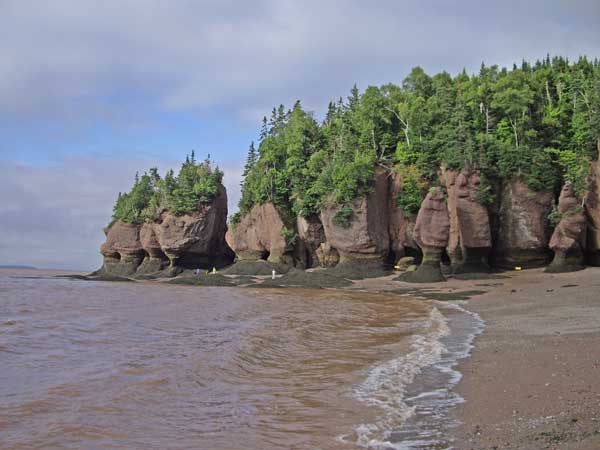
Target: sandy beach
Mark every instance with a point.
(533, 379)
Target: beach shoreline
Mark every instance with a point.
(533, 378)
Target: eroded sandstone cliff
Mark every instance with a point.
(173, 243)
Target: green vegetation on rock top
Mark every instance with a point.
(537, 122)
(196, 183)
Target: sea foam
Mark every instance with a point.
(414, 391)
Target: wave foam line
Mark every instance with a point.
(385, 386)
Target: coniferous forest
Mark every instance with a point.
(150, 195)
(539, 122)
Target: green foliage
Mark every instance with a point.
(414, 189)
(150, 195)
(554, 217)
(485, 193)
(235, 219)
(500, 122)
(342, 217)
(195, 184)
(289, 235)
(575, 167)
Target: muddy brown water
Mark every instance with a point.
(92, 365)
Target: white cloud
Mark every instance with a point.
(249, 55)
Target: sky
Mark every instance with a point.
(91, 92)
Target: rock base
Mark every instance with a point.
(151, 265)
(563, 263)
(356, 268)
(430, 270)
(475, 261)
(255, 267)
(527, 259)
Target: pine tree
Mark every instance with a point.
(264, 131)
(250, 160)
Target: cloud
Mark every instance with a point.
(53, 216)
(247, 56)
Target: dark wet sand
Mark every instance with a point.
(533, 380)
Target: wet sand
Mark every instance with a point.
(533, 380)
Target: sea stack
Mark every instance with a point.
(568, 239)
(165, 226)
(432, 232)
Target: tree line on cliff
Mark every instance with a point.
(538, 122)
(196, 183)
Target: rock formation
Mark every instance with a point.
(260, 236)
(155, 259)
(470, 238)
(592, 207)
(524, 232)
(310, 237)
(432, 232)
(194, 240)
(364, 240)
(401, 226)
(122, 250)
(568, 238)
(327, 255)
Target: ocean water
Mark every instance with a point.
(93, 365)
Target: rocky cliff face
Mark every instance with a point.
(122, 250)
(592, 207)
(524, 231)
(259, 236)
(568, 239)
(432, 233)
(365, 238)
(195, 240)
(155, 259)
(470, 238)
(311, 235)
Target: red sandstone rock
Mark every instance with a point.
(524, 232)
(310, 237)
(258, 234)
(592, 207)
(366, 237)
(568, 239)
(432, 232)
(469, 220)
(196, 239)
(122, 239)
(433, 226)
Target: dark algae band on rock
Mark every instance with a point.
(350, 193)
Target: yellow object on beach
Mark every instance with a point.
(397, 267)
(518, 268)
(214, 270)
